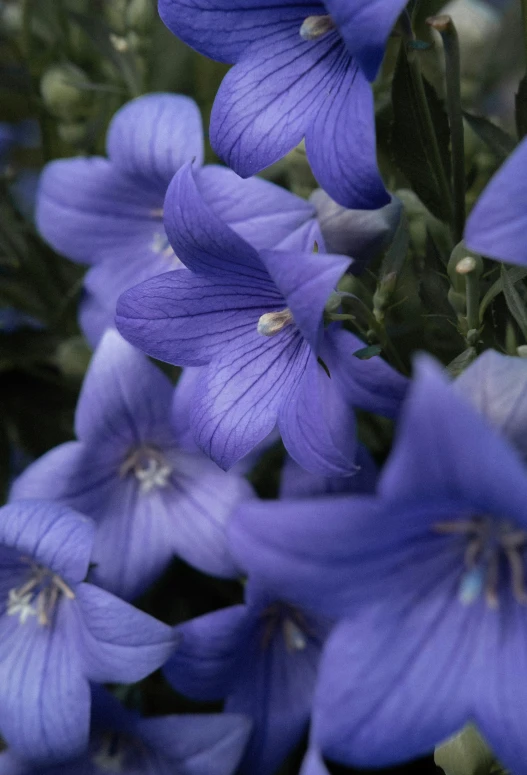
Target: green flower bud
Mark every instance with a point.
(115, 14)
(140, 16)
(462, 261)
(465, 754)
(72, 133)
(64, 92)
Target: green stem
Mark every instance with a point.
(524, 16)
(446, 28)
(428, 124)
(472, 295)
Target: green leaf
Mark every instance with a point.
(500, 142)
(99, 33)
(514, 302)
(365, 353)
(408, 141)
(461, 361)
(516, 274)
(521, 108)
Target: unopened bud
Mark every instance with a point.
(466, 265)
(72, 133)
(64, 91)
(271, 323)
(115, 13)
(334, 303)
(315, 27)
(140, 15)
(522, 351)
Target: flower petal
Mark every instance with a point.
(202, 240)
(151, 137)
(274, 687)
(200, 505)
(223, 30)
(340, 140)
(365, 26)
(306, 551)
(183, 397)
(119, 643)
(54, 536)
(198, 744)
(266, 102)
(296, 482)
(369, 384)
(361, 234)
(496, 226)
(313, 764)
(497, 385)
(44, 697)
(446, 451)
(317, 424)
(111, 276)
(86, 206)
(374, 711)
(261, 212)
(124, 400)
(207, 652)
(239, 398)
(186, 319)
(306, 281)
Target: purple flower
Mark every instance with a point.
(296, 482)
(496, 226)
(121, 741)
(109, 212)
(497, 385)
(152, 494)
(429, 581)
(361, 234)
(302, 70)
(262, 658)
(257, 320)
(57, 633)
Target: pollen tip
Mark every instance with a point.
(315, 27)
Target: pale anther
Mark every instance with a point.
(315, 27)
(149, 468)
(295, 639)
(38, 596)
(271, 323)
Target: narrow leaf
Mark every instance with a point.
(500, 142)
(514, 301)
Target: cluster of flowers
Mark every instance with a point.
(387, 609)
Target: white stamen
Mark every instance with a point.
(38, 596)
(149, 467)
(20, 605)
(472, 585)
(271, 323)
(295, 640)
(315, 27)
(154, 475)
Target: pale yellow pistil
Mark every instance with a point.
(315, 27)
(271, 323)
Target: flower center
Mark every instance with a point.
(291, 623)
(489, 543)
(38, 596)
(315, 27)
(149, 467)
(271, 323)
